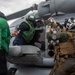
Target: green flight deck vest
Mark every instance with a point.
(28, 35)
(4, 35)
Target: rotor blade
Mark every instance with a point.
(18, 14)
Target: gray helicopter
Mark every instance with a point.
(38, 55)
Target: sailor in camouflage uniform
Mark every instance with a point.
(64, 52)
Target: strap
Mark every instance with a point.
(61, 69)
(53, 70)
(58, 65)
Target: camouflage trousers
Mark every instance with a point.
(68, 66)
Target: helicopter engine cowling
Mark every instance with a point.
(50, 7)
(43, 9)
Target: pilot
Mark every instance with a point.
(25, 32)
(4, 43)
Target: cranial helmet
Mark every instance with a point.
(31, 18)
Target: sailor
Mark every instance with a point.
(25, 32)
(4, 43)
(64, 52)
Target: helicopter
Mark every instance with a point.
(59, 10)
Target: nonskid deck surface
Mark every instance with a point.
(29, 70)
